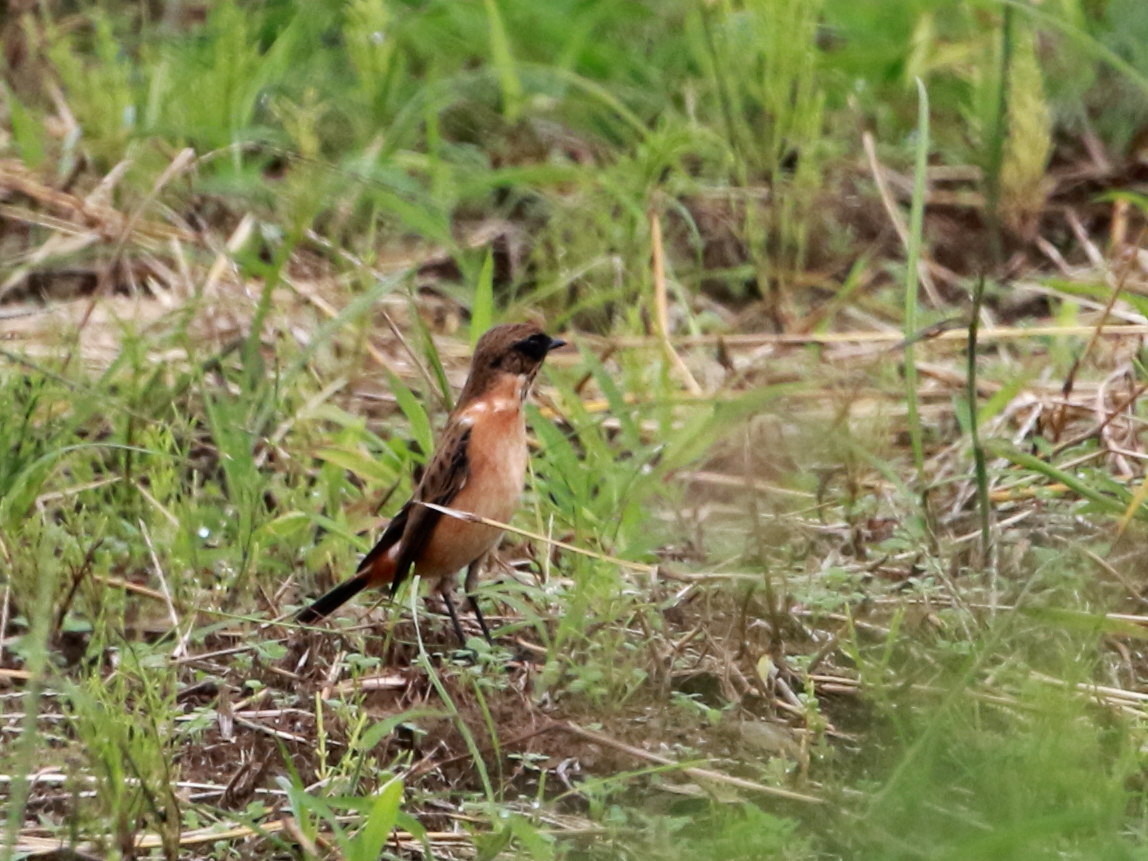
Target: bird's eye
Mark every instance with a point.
(536, 346)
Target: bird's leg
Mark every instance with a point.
(471, 587)
(453, 617)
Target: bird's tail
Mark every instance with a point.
(334, 599)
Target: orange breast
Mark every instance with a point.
(496, 459)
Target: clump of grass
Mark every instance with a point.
(977, 773)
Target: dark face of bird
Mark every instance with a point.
(513, 348)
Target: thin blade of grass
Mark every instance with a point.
(482, 308)
(1000, 448)
(912, 277)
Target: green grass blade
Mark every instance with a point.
(504, 66)
(482, 308)
(912, 276)
(1000, 448)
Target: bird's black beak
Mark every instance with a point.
(555, 343)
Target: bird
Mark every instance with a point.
(478, 467)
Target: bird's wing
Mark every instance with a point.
(444, 478)
(391, 534)
(410, 529)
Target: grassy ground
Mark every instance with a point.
(795, 577)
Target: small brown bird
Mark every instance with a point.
(478, 467)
